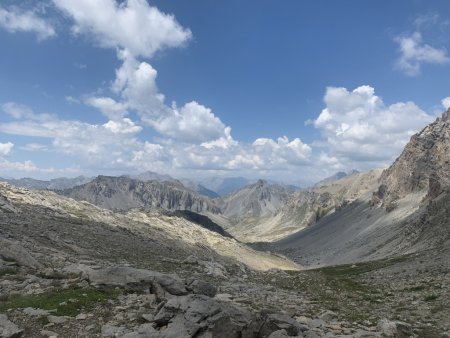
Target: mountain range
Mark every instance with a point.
(363, 254)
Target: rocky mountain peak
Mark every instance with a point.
(423, 164)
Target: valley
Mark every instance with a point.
(360, 255)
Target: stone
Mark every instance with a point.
(394, 328)
(57, 319)
(144, 331)
(277, 321)
(278, 334)
(35, 312)
(48, 334)
(201, 288)
(10, 250)
(8, 329)
(123, 276)
(328, 316)
(148, 317)
(81, 316)
(109, 330)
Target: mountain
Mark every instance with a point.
(422, 166)
(152, 176)
(54, 184)
(123, 193)
(225, 185)
(190, 184)
(302, 208)
(335, 177)
(200, 189)
(250, 210)
(407, 211)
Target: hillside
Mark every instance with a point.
(406, 213)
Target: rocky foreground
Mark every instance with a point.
(70, 269)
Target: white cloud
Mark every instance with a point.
(446, 102)
(110, 108)
(125, 126)
(5, 148)
(15, 20)
(132, 25)
(414, 52)
(193, 123)
(359, 130)
(282, 151)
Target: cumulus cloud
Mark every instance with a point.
(358, 128)
(414, 52)
(446, 102)
(5, 148)
(133, 25)
(192, 123)
(14, 20)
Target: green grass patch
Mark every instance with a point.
(431, 297)
(67, 302)
(7, 271)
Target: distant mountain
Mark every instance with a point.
(197, 187)
(123, 193)
(54, 184)
(335, 177)
(256, 200)
(152, 176)
(255, 219)
(225, 185)
(190, 184)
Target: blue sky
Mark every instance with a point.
(292, 90)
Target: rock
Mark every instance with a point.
(328, 316)
(278, 334)
(275, 322)
(144, 331)
(8, 329)
(191, 313)
(57, 319)
(127, 276)
(109, 330)
(81, 316)
(148, 317)
(13, 251)
(35, 312)
(394, 328)
(48, 334)
(224, 297)
(201, 288)
(191, 260)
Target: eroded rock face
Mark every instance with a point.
(13, 251)
(424, 163)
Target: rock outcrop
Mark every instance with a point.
(423, 165)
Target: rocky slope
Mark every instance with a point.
(70, 269)
(53, 184)
(423, 165)
(407, 213)
(123, 193)
(266, 213)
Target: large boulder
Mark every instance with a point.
(13, 251)
(124, 276)
(192, 315)
(8, 329)
(396, 329)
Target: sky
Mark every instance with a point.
(292, 91)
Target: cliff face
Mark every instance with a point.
(123, 193)
(424, 165)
